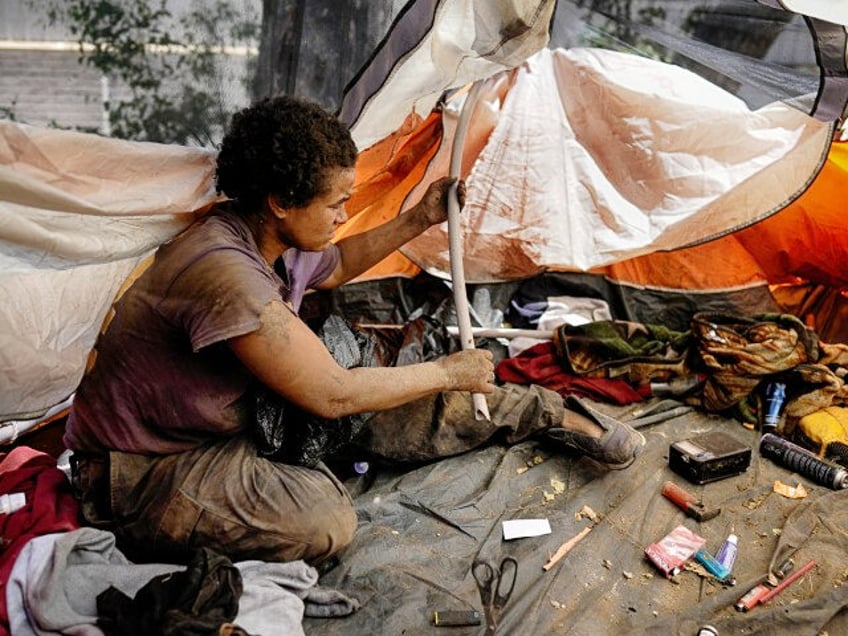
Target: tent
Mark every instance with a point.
(613, 146)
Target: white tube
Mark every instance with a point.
(503, 332)
(460, 297)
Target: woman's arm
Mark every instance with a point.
(361, 251)
(292, 361)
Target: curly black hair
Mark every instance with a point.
(283, 146)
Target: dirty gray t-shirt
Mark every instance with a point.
(164, 379)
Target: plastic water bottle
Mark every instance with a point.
(775, 396)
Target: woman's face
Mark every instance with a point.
(312, 227)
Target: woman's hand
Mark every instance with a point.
(470, 370)
(434, 203)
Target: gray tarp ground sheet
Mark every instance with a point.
(420, 529)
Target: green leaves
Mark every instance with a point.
(175, 75)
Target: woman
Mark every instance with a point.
(161, 424)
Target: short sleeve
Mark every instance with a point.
(221, 295)
(305, 270)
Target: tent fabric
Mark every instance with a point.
(808, 238)
(827, 21)
(413, 65)
(77, 213)
(760, 54)
(420, 529)
(797, 254)
(598, 156)
(834, 12)
(776, 249)
(638, 179)
(436, 45)
(73, 199)
(75, 225)
(831, 102)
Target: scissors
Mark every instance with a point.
(495, 585)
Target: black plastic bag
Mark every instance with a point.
(287, 434)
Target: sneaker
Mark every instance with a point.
(617, 447)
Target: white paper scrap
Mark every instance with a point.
(521, 528)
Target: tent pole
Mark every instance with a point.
(503, 332)
(460, 297)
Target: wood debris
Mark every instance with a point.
(565, 548)
(587, 512)
(790, 492)
(533, 461)
(753, 504)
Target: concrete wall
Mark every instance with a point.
(42, 81)
(44, 88)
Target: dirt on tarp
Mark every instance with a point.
(420, 529)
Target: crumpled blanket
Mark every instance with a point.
(632, 351)
(55, 582)
(741, 352)
(540, 365)
(197, 600)
(50, 507)
(737, 354)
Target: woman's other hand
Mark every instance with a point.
(434, 203)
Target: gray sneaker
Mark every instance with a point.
(617, 447)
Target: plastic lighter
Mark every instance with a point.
(752, 597)
(712, 565)
(687, 502)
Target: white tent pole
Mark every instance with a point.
(503, 332)
(463, 317)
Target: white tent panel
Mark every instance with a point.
(599, 156)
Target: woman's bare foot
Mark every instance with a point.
(573, 421)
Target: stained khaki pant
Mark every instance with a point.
(445, 424)
(222, 496)
(225, 497)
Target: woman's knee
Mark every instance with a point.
(331, 534)
(314, 512)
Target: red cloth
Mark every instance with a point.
(50, 507)
(539, 365)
